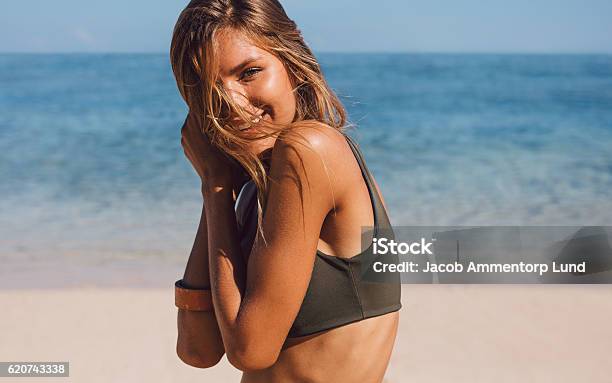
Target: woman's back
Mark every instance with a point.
(358, 352)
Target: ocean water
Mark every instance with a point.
(91, 164)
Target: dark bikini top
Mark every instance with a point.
(338, 292)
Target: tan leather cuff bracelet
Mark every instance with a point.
(192, 299)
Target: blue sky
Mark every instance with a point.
(505, 26)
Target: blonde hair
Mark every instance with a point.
(194, 62)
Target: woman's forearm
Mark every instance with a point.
(226, 263)
(199, 341)
(196, 274)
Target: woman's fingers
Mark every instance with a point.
(204, 156)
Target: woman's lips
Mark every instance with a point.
(250, 126)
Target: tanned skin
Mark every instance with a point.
(257, 296)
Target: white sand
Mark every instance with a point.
(448, 333)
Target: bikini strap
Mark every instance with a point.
(381, 219)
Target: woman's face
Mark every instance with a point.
(258, 82)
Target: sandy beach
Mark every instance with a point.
(448, 333)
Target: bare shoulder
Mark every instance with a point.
(314, 135)
(330, 146)
(321, 152)
(313, 144)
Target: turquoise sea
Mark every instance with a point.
(90, 158)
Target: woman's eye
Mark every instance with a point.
(249, 73)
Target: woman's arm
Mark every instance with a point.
(199, 342)
(256, 305)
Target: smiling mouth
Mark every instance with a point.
(255, 120)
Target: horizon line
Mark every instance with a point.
(415, 52)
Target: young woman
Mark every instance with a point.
(289, 304)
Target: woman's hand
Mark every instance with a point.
(209, 162)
